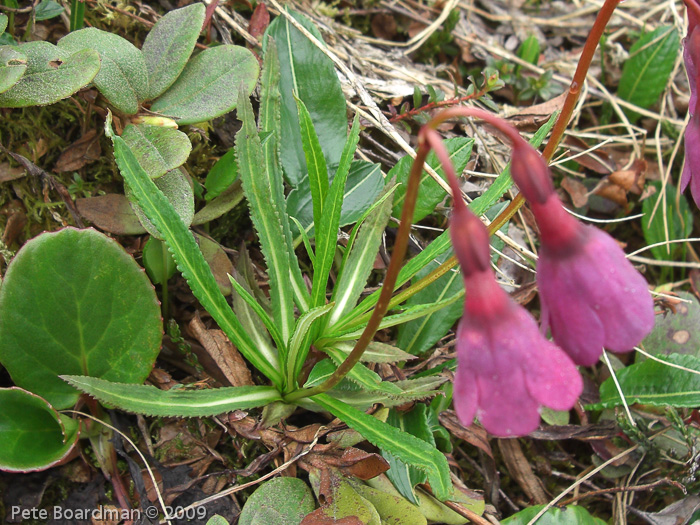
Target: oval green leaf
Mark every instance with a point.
(13, 64)
(157, 149)
(280, 501)
(52, 74)
(168, 46)
(33, 436)
(177, 189)
(571, 515)
(74, 302)
(123, 78)
(208, 87)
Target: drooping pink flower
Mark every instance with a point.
(591, 295)
(691, 58)
(506, 369)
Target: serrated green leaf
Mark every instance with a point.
(123, 78)
(360, 262)
(655, 383)
(13, 64)
(176, 402)
(208, 86)
(59, 301)
(361, 375)
(676, 219)
(408, 448)
(430, 193)
(169, 45)
(188, 257)
(33, 435)
(300, 340)
(363, 185)
(269, 122)
(176, 188)
(376, 352)
(157, 149)
(308, 72)
(266, 219)
(646, 71)
(52, 74)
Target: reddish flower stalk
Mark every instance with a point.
(591, 295)
(691, 57)
(507, 370)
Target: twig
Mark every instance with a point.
(634, 488)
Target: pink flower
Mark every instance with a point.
(507, 369)
(591, 295)
(691, 57)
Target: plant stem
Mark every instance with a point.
(77, 14)
(392, 273)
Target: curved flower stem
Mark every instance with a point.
(567, 110)
(387, 287)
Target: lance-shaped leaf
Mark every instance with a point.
(33, 435)
(157, 149)
(169, 45)
(13, 64)
(74, 302)
(258, 191)
(52, 74)
(122, 78)
(187, 255)
(406, 447)
(208, 86)
(151, 401)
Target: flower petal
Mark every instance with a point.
(553, 379)
(506, 408)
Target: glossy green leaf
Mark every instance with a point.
(157, 149)
(430, 193)
(176, 402)
(308, 72)
(187, 255)
(646, 71)
(222, 174)
(33, 435)
(571, 515)
(676, 331)
(220, 205)
(360, 261)
(13, 64)
(655, 383)
(363, 185)
(59, 303)
(406, 447)
(280, 501)
(361, 375)
(676, 219)
(122, 79)
(52, 74)
(158, 261)
(266, 219)
(169, 45)
(208, 86)
(46, 10)
(299, 342)
(176, 188)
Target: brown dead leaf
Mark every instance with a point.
(532, 117)
(474, 435)
(111, 213)
(521, 471)
(384, 26)
(632, 180)
(7, 173)
(603, 430)
(597, 160)
(576, 190)
(83, 151)
(259, 21)
(16, 221)
(351, 461)
(222, 351)
(612, 192)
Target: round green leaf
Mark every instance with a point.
(52, 74)
(177, 189)
(13, 64)
(74, 302)
(571, 515)
(169, 44)
(208, 87)
(280, 501)
(157, 149)
(123, 78)
(676, 332)
(33, 436)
